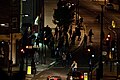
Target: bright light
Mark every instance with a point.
(109, 35)
(88, 50)
(2, 42)
(103, 62)
(113, 49)
(93, 55)
(29, 47)
(22, 50)
(81, 77)
(26, 46)
(69, 6)
(72, 4)
(107, 39)
(45, 39)
(26, 15)
(2, 24)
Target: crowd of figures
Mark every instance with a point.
(59, 42)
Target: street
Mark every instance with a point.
(79, 55)
(60, 71)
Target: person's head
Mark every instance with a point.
(74, 61)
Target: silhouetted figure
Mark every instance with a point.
(37, 42)
(21, 63)
(73, 38)
(33, 67)
(90, 35)
(85, 41)
(70, 33)
(78, 33)
(74, 66)
(56, 33)
(98, 18)
(69, 58)
(81, 20)
(10, 67)
(63, 59)
(61, 41)
(66, 40)
(36, 57)
(60, 33)
(57, 53)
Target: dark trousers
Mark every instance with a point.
(64, 63)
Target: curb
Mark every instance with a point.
(52, 64)
(31, 76)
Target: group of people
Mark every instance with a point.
(62, 38)
(74, 34)
(66, 59)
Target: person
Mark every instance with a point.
(70, 33)
(36, 57)
(33, 66)
(90, 35)
(56, 33)
(81, 20)
(74, 66)
(85, 41)
(69, 58)
(64, 59)
(60, 33)
(78, 33)
(98, 18)
(37, 42)
(73, 38)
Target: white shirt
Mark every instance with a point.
(75, 65)
(64, 56)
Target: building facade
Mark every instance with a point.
(15, 16)
(9, 29)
